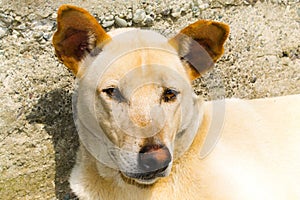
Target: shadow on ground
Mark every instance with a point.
(54, 110)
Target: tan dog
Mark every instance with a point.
(134, 85)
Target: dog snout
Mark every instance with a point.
(154, 158)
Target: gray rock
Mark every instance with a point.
(47, 36)
(2, 32)
(129, 16)
(129, 23)
(185, 8)
(6, 19)
(16, 33)
(196, 11)
(120, 22)
(158, 10)
(166, 11)
(176, 12)
(139, 16)
(18, 18)
(148, 9)
(121, 15)
(31, 17)
(54, 16)
(44, 25)
(45, 13)
(253, 79)
(148, 20)
(109, 17)
(204, 6)
(2, 24)
(38, 35)
(106, 24)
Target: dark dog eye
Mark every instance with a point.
(114, 93)
(169, 95)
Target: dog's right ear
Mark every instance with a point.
(78, 33)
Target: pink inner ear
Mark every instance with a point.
(75, 44)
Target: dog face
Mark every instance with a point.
(134, 87)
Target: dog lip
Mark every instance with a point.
(147, 176)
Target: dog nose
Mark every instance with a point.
(153, 158)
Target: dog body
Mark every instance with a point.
(141, 80)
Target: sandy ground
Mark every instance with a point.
(38, 139)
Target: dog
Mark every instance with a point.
(144, 133)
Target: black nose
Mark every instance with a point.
(153, 158)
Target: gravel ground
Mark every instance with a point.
(38, 140)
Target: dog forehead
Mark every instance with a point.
(145, 62)
(134, 48)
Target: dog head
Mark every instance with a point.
(135, 107)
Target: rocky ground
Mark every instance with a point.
(38, 140)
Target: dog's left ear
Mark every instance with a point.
(78, 33)
(200, 45)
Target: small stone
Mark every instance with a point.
(285, 61)
(158, 10)
(148, 9)
(54, 16)
(2, 32)
(109, 18)
(121, 15)
(139, 16)
(45, 12)
(38, 35)
(148, 20)
(47, 36)
(176, 14)
(203, 6)
(129, 16)
(129, 23)
(2, 24)
(185, 7)
(18, 18)
(42, 25)
(31, 17)
(253, 79)
(16, 33)
(120, 22)
(106, 24)
(196, 11)
(21, 27)
(166, 12)
(6, 19)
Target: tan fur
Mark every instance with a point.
(257, 156)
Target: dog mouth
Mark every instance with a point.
(147, 178)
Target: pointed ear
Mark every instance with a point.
(78, 33)
(200, 45)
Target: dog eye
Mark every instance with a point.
(169, 95)
(114, 93)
